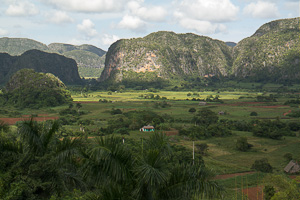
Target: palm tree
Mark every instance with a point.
(107, 165)
(45, 165)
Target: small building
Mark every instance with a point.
(221, 113)
(147, 128)
(292, 167)
(202, 103)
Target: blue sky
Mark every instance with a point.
(102, 22)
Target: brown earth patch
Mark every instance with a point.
(241, 103)
(253, 193)
(171, 132)
(12, 121)
(85, 102)
(288, 112)
(277, 106)
(225, 176)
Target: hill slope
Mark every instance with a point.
(272, 53)
(167, 55)
(60, 66)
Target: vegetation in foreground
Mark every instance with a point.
(38, 164)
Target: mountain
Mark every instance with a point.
(86, 56)
(64, 68)
(167, 55)
(17, 46)
(272, 53)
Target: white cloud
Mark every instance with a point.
(293, 7)
(262, 9)
(205, 17)
(209, 10)
(23, 8)
(149, 13)
(95, 6)
(3, 32)
(59, 17)
(132, 23)
(87, 27)
(204, 27)
(109, 39)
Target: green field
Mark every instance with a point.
(222, 156)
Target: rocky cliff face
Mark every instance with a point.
(168, 55)
(60, 66)
(271, 53)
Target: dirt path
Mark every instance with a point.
(288, 112)
(225, 176)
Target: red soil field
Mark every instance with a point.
(12, 121)
(254, 193)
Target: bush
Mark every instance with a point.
(253, 113)
(115, 111)
(202, 148)
(262, 165)
(192, 110)
(288, 156)
(242, 144)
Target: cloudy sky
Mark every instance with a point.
(101, 22)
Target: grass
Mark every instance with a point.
(223, 157)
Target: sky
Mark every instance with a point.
(102, 22)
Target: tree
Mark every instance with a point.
(78, 106)
(285, 188)
(202, 148)
(242, 144)
(269, 192)
(192, 110)
(262, 165)
(253, 113)
(288, 157)
(44, 165)
(206, 117)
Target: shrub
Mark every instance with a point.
(253, 113)
(262, 165)
(288, 156)
(115, 111)
(202, 148)
(242, 144)
(192, 110)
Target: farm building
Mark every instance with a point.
(292, 167)
(202, 103)
(147, 128)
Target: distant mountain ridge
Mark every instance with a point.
(271, 54)
(86, 56)
(64, 68)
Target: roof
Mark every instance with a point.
(292, 167)
(148, 127)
